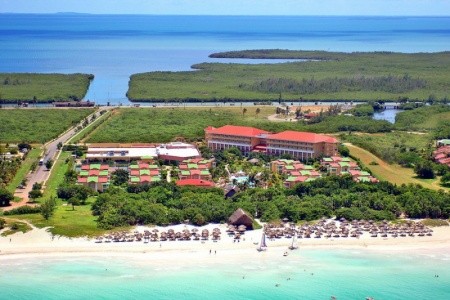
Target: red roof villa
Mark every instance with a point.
(95, 176)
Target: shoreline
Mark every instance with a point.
(40, 243)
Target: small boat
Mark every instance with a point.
(262, 244)
(293, 245)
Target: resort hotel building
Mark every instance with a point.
(300, 145)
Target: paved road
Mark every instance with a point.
(41, 173)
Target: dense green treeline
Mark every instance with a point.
(165, 124)
(8, 169)
(37, 125)
(281, 54)
(391, 84)
(33, 87)
(326, 76)
(165, 203)
(423, 118)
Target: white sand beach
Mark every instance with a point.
(39, 242)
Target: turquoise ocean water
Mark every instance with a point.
(112, 47)
(304, 274)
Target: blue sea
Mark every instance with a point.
(112, 47)
(304, 274)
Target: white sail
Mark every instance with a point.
(262, 244)
(294, 243)
(263, 240)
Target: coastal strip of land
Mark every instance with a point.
(324, 76)
(43, 88)
(39, 242)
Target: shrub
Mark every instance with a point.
(23, 210)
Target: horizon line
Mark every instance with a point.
(214, 15)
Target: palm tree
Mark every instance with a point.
(258, 110)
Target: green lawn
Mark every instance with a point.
(336, 76)
(391, 172)
(389, 146)
(57, 175)
(43, 87)
(25, 167)
(65, 221)
(37, 125)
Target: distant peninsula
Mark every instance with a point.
(324, 76)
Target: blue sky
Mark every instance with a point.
(234, 7)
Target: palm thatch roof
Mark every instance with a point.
(240, 217)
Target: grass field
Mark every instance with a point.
(65, 221)
(166, 124)
(37, 125)
(424, 118)
(25, 167)
(235, 82)
(389, 146)
(43, 87)
(57, 175)
(390, 172)
(81, 135)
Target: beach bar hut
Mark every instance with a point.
(240, 217)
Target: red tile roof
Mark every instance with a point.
(195, 182)
(441, 155)
(102, 179)
(154, 172)
(146, 178)
(104, 167)
(298, 166)
(301, 178)
(134, 172)
(82, 179)
(299, 136)
(314, 174)
(94, 172)
(195, 172)
(85, 167)
(236, 130)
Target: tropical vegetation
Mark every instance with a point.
(167, 124)
(325, 76)
(38, 88)
(37, 125)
